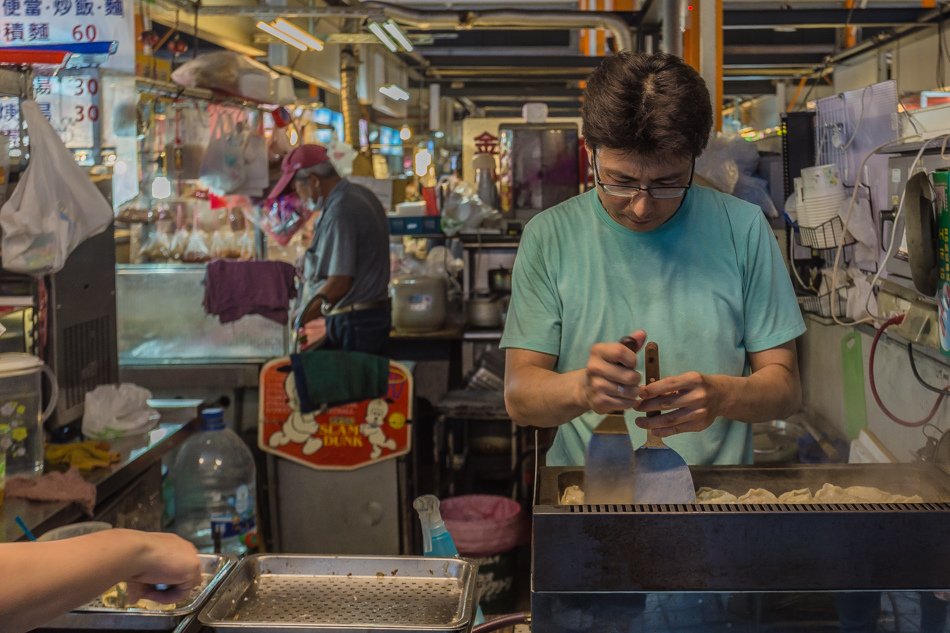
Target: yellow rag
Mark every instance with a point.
(82, 455)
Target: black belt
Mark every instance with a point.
(359, 307)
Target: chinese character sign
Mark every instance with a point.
(43, 22)
(345, 437)
(70, 103)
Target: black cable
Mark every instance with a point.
(923, 383)
(804, 103)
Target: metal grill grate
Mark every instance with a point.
(338, 600)
(86, 354)
(852, 123)
(717, 508)
(268, 592)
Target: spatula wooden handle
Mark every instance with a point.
(651, 361)
(632, 345)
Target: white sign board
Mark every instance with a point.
(383, 189)
(72, 103)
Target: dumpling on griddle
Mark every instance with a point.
(573, 496)
(712, 495)
(831, 493)
(802, 495)
(867, 494)
(758, 495)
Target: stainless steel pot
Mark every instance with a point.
(483, 312)
(419, 303)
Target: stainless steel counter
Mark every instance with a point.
(139, 454)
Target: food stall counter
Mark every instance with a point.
(139, 455)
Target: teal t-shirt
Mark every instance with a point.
(708, 287)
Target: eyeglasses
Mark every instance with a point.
(632, 191)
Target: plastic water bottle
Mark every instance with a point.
(215, 499)
(436, 540)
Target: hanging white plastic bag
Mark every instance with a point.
(257, 175)
(223, 167)
(341, 157)
(54, 208)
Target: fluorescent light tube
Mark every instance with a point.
(393, 29)
(270, 30)
(378, 31)
(394, 92)
(298, 33)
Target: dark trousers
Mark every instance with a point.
(361, 331)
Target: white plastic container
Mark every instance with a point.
(22, 413)
(75, 529)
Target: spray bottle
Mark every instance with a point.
(436, 540)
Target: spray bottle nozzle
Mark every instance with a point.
(427, 506)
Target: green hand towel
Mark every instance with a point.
(334, 377)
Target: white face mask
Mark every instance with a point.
(315, 206)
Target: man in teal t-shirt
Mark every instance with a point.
(650, 255)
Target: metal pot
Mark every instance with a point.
(776, 442)
(499, 280)
(419, 303)
(483, 312)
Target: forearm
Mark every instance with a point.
(544, 398)
(44, 580)
(773, 392)
(336, 287)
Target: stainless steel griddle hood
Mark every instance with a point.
(769, 547)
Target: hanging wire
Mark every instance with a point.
(897, 320)
(923, 383)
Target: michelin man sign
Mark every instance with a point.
(345, 437)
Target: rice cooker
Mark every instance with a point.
(419, 303)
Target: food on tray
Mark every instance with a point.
(117, 598)
(829, 493)
(573, 496)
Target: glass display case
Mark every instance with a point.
(161, 321)
(539, 167)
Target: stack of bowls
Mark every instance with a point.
(820, 194)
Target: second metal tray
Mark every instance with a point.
(344, 594)
(96, 616)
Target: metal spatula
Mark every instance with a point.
(660, 475)
(608, 471)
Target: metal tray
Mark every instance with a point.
(344, 594)
(97, 616)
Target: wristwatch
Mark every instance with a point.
(326, 306)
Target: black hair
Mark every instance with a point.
(650, 105)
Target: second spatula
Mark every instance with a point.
(659, 474)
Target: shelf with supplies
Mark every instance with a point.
(825, 305)
(416, 226)
(825, 236)
(507, 237)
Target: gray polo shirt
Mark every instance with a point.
(351, 238)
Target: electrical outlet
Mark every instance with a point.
(920, 314)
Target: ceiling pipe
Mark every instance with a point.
(349, 99)
(672, 23)
(434, 20)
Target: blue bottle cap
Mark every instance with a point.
(212, 419)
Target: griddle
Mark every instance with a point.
(748, 547)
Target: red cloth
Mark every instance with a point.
(234, 289)
(56, 486)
